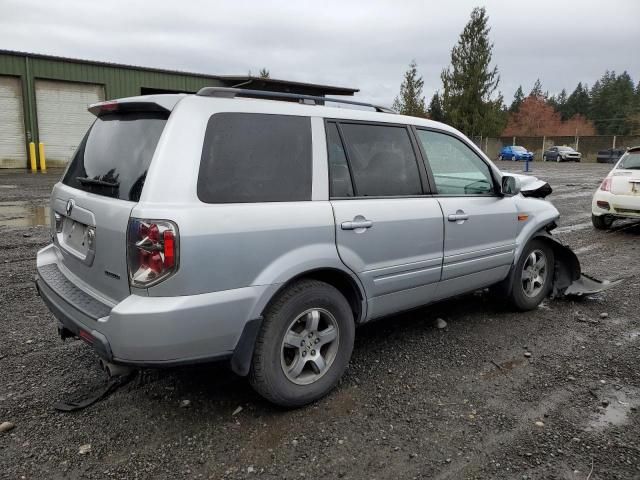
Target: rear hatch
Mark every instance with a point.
(93, 202)
(625, 179)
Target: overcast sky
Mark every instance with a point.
(361, 44)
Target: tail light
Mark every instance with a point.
(606, 185)
(152, 251)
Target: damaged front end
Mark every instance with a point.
(568, 278)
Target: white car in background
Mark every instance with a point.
(619, 193)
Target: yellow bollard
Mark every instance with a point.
(32, 156)
(43, 159)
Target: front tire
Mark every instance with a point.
(602, 222)
(304, 344)
(533, 276)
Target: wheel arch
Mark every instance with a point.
(344, 282)
(566, 264)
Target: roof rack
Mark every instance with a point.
(223, 92)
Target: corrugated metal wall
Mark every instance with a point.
(118, 81)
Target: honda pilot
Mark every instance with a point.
(262, 228)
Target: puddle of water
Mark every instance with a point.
(23, 214)
(617, 411)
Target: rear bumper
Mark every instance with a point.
(151, 331)
(72, 319)
(622, 206)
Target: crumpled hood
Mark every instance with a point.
(531, 186)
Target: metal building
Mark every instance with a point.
(45, 98)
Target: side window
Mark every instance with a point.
(250, 157)
(382, 160)
(338, 167)
(457, 170)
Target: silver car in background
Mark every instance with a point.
(191, 228)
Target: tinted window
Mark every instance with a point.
(382, 160)
(249, 157)
(338, 167)
(457, 170)
(114, 156)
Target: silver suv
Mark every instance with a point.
(262, 231)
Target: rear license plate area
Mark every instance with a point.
(74, 238)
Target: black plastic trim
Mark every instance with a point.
(243, 353)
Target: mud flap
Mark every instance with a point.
(568, 278)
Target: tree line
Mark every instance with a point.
(470, 101)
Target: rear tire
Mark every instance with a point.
(602, 222)
(533, 276)
(294, 361)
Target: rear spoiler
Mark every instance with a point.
(150, 103)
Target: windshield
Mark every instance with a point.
(630, 161)
(519, 149)
(115, 154)
(566, 149)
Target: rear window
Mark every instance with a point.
(115, 154)
(250, 157)
(631, 161)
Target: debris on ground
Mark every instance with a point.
(6, 426)
(440, 323)
(185, 403)
(237, 411)
(84, 449)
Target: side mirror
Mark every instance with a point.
(510, 186)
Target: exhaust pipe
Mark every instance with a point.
(113, 370)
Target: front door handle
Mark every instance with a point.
(459, 216)
(356, 224)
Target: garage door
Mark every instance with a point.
(62, 116)
(13, 153)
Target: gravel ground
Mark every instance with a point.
(553, 393)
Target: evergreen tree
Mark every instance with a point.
(264, 73)
(411, 101)
(518, 97)
(435, 108)
(561, 104)
(536, 91)
(469, 82)
(612, 102)
(578, 103)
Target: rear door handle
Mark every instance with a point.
(356, 224)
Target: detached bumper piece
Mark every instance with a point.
(569, 279)
(587, 285)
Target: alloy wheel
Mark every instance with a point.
(534, 273)
(309, 346)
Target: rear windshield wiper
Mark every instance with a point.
(100, 183)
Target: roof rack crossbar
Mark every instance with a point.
(224, 92)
